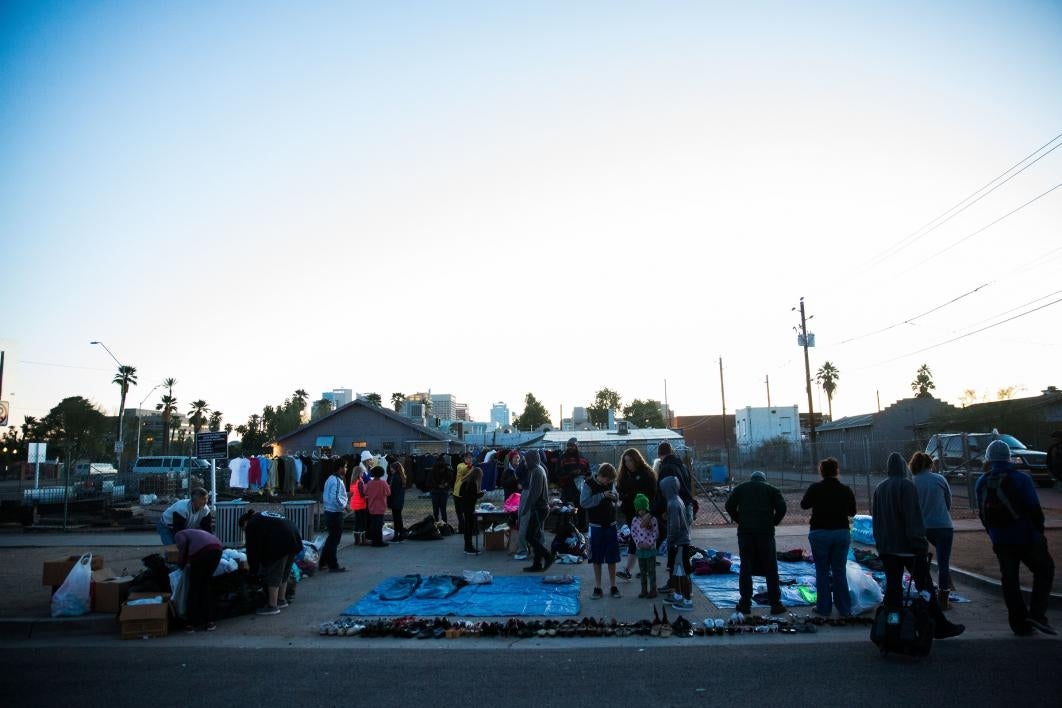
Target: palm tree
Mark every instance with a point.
(827, 375)
(253, 422)
(241, 430)
(397, 399)
(29, 427)
(168, 406)
(197, 415)
(215, 421)
(228, 428)
(125, 378)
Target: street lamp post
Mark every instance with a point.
(138, 417)
(119, 442)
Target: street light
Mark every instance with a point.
(138, 417)
(118, 443)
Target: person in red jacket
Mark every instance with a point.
(359, 478)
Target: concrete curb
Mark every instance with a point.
(40, 627)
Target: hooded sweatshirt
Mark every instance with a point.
(1021, 492)
(898, 526)
(535, 496)
(678, 531)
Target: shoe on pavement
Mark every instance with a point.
(471, 552)
(549, 561)
(338, 569)
(624, 574)
(597, 594)
(684, 605)
(1041, 624)
(282, 604)
(614, 592)
(267, 610)
(211, 626)
(534, 569)
(949, 630)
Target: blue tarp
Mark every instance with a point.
(722, 589)
(507, 596)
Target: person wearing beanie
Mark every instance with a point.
(1011, 514)
(572, 471)
(645, 531)
(900, 538)
(757, 507)
(534, 505)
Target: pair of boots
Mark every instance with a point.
(359, 538)
(648, 589)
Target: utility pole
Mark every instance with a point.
(767, 380)
(667, 408)
(807, 376)
(726, 438)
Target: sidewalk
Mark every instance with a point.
(24, 602)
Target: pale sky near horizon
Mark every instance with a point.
(487, 199)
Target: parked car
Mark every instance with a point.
(958, 454)
(181, 467)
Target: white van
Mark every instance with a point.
(159, 464)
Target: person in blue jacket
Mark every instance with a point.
(1011, 514)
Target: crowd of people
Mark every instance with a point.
(910, 510)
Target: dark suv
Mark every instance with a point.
(963, 453)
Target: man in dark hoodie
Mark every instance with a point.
(757, 507)
(900, 537)
(534, 505)
(572, 471)
(1011, 514)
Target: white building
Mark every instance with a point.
(753, 426)
(499, 415)
(444, 406)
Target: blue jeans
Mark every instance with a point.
(165, 533)
(941, 539)
(830, 549)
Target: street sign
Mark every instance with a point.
(38, 452)
(212, 446)
(4, 409)
(119, 445)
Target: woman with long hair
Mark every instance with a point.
(636, 477)
(934, 497)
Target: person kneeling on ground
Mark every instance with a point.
(900, 538)
(272, 544)
(191, 513)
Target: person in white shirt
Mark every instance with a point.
(191, 513)
(335, 508)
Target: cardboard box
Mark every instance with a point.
(138, 621)
(109, 591)
(55, 572)
(171, 553)
(495, 540)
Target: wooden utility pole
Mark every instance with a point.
(807, 377)
(726, 438)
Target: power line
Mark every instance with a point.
(909, 320)
(976, 331)
(985, 228)
(947, 215)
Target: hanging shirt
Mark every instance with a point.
(239, 469)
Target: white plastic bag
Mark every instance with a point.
(179, 590)
(478, 577)
(862, 589)
(73, 598)
(388, 533)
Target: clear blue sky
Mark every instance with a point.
(488, 200)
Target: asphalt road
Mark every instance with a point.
(959, 673)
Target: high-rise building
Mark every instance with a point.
(461, 411)
(444, 406)
(338, 396)
(499, 415)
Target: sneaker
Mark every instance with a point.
(625, 574)
(614, 592)
(597, 594)
(683, 605)
(1041, 624)
(267, 610)
(471, 552)
(282, 604)
(675, 597)
(520, 556)
(211, 626)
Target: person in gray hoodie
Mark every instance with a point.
(678, 537)
(900, 537)
(534, 505)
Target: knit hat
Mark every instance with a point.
(365, 456)
(514, 455)
(998, 451)
(641, 502)
(758, 475)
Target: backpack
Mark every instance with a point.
(996, 509)
(907, 629)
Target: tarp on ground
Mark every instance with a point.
(507, 596)
(797, 578)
